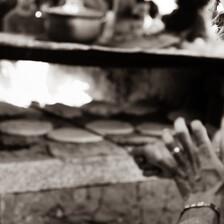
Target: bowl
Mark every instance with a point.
(74, 25)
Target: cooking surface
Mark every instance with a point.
(64, 165)
(21, 147)
(12, 144)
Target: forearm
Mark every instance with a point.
(199, 216)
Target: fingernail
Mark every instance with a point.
(180, 125)
(196, 125)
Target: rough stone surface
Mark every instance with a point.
(57, 174)
(119, 205)
(67, 150)
(160, 202)
(41, 207)
(133, 203)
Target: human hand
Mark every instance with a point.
(190, 160)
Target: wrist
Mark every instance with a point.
(201, 215)
(203, 208)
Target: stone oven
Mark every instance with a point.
(69, 85)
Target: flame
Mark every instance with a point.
(73, 92)
(25, 81)
(166, 6)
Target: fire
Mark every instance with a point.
(73, 94)
(25, 81)
(166, 6)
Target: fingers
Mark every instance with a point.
(183, 136)
(172, 145)
(167, 161)
(177, 155)
(201, 138)
(147, 169)
(158, 156)
(207, 154)
(184, 163)
(202, 141)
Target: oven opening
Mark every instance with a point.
(23, 82)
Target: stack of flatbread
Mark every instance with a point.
(103, 109)
(139, 109)
(153, 129)
(73, 135)
(110, 127)
(69, 142)
(131, 139)
(26, 128)
(64, 111)
(17, 134)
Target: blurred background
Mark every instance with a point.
(78, 177)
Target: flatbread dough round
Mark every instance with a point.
(64, 110)
(25, 128)
(110, 127)
(73, 135)
(101, 108)
(132, 139)
(139, 109)
(153, 129)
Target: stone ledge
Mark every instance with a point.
(33, 176)
(156, 202)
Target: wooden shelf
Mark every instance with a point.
(157, 51)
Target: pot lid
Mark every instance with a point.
(71, 10)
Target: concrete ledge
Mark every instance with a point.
(68, 173)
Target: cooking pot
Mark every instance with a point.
(72, 24)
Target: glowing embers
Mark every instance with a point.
(25, 81)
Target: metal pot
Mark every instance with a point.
(83, 26)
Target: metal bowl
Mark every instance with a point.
(84, 26)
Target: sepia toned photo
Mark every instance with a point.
(111, 111)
